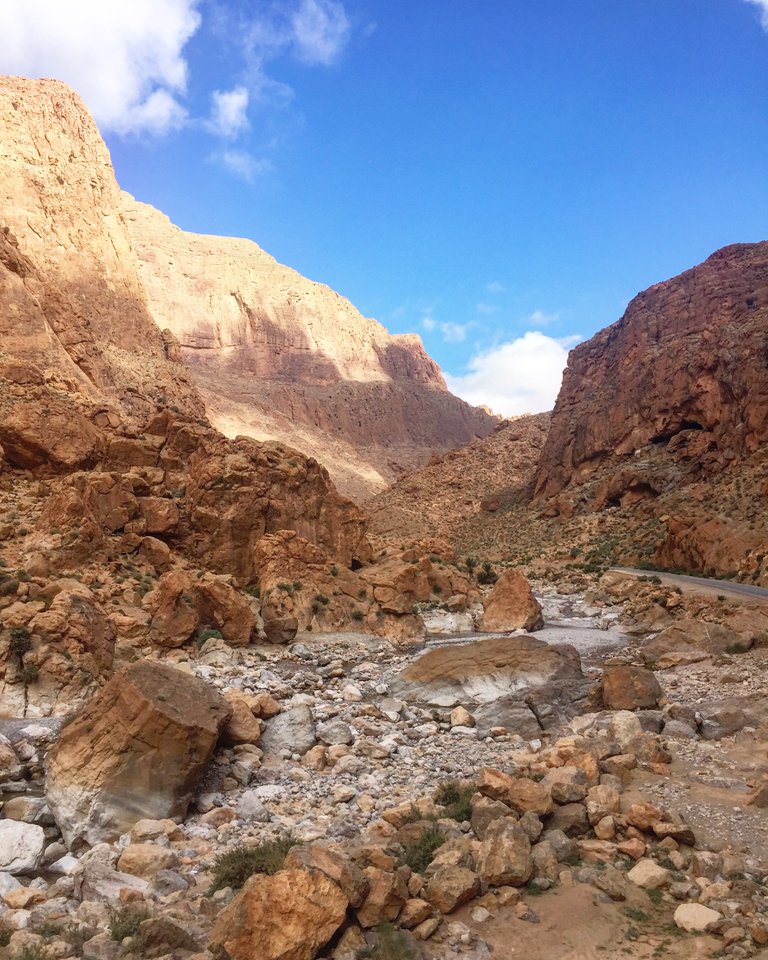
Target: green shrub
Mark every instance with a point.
(8, 587)
(321, 598)
(357, 614)
(29, 673)
(392, 944)
(334, 571)
(125, 921)
(208, 633)
(418, 853)
(487, 574)
(457, 800)
(232, 869)
(21, 642)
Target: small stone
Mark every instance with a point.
(649, 875)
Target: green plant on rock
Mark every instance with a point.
(125, 921)
(418, 853)
(20, 642)
(208, 633)
(456, 798)
(392, 944)
(234, 867)
(487, 574)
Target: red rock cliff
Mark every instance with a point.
(690, 354)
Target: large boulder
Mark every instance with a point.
(630, 688)
(21, 846)
(137, 750)
(687, 641)
(285, 917)
(486, 670)
(511, 605)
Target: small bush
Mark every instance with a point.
(487, 574)
(457, 800)
(321, 598)
(418, 853)
(392, 944)
(8, 587)
(21, 642)
(208, 633)
(357, 614)
(125, 921)
(334, 571)
(232, 869)
(655, 896)
(29, 673)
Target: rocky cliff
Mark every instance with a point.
(277, 356)
(685, 367)
(72, 302)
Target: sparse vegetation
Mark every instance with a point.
(234, 867)
(125, 921)
(418, 853)
(456, 798)
(392, 944)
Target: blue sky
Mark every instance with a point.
(500, 176)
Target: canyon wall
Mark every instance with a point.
(687, 364)
(278, 356)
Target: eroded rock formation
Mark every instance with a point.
(277, 356)
(684, 366)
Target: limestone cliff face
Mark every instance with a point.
(72, 302)
(278, 356)
(685, 368)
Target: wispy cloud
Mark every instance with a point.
(519, 376)
(762, 6)
(125, 58)
(321, 30)
(494, 287)
(242, 164)
(449, 330)
(229, 112)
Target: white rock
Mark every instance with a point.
(66, 865)
(21, 846)
(695, 917)
(625, 727)
(351, 693)
(250, 807)
(649, 875)
(8, 883)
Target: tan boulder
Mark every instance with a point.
(386, 895)
(233, 613)
(242, 726)
(504, 858)
(691, 639)
(174, 613)
(146, 859)
(160, 514)
(630, 688)
(288, 916)
(450, 886)
(511, 605)
(336, 865)
(519, 793)
(137, 750)
(485, 671)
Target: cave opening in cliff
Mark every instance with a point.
(667, 435)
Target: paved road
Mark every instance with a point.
(701, 583)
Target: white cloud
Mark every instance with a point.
(124, 57)
(229, 112)
(520, 376)
(494, 287)
(321, 29)
(450, 331)
(242, 164)
(762, 5)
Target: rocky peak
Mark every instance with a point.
(686, 363)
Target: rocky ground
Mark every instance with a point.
(596, 832)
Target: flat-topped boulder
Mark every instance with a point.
(486, 670)
(137, 750)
